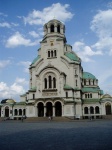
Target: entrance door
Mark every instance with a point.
(58, 109)
(108, 109)
(7, 111)
(49, 109)
(40, 109)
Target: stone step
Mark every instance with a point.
(108, 117)
(34, 119)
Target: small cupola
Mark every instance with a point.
(54, 28)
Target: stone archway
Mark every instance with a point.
(108, 109)
(58, 109)
(40, 109)
(6, 111)
(49, 109)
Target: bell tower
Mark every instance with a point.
(54, 28)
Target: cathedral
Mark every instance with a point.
(58, 85)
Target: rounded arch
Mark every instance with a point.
(86, 110)
(40, 106)
(52, 28)
(15, 112)
(97, 111)
(108, 108)
(20, 112)
(49, 68)
(91, 110)
(49, 109)
(58, 108)
(40, 101)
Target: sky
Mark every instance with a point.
(88, 29)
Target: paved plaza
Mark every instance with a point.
(77, 135)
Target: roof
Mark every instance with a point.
(106, 96)
(35, 60)
(87, 75)
(72, 56)
(33, 89)
(67, 87)
(92, 89)
(90, 100)
(7, 101)
(54, 20)
(20, 103)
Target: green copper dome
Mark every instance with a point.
(87, 75)
(72, 56)
(35, 59)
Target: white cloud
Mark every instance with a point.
(109, 5)
(4, 63)
(14, 90)
(57, 10)
(104, 75)
(5, 24)
(2, 14)
(84, 51)
(102, 26)
(26, 65)
(34, 34)
(21, 81)
(18, 39)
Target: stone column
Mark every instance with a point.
(62, 110)
(53, 111)
(44, 111)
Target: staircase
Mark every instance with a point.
(44, 119)
(109, 117)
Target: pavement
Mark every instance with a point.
(49, 135)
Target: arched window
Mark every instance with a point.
(20, 112)
(48, 53)
(58, 28)
(45, 83)
(89, 82)
(66, 94)
(86, 110)
(85, 95)
(54, 82)
(50, 82)
(91, 110)
(90, 95)
(51, 53)
(76, 82)
(55, 53)
(15, 112)
(52, 28)
(97, 110)
(84, 81)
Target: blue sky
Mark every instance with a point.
(88, 29)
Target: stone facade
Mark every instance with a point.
(58, 84)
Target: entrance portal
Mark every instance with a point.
(49, 109)
(6, 111)
(58, 109)
(108, 109)
(40, 109)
